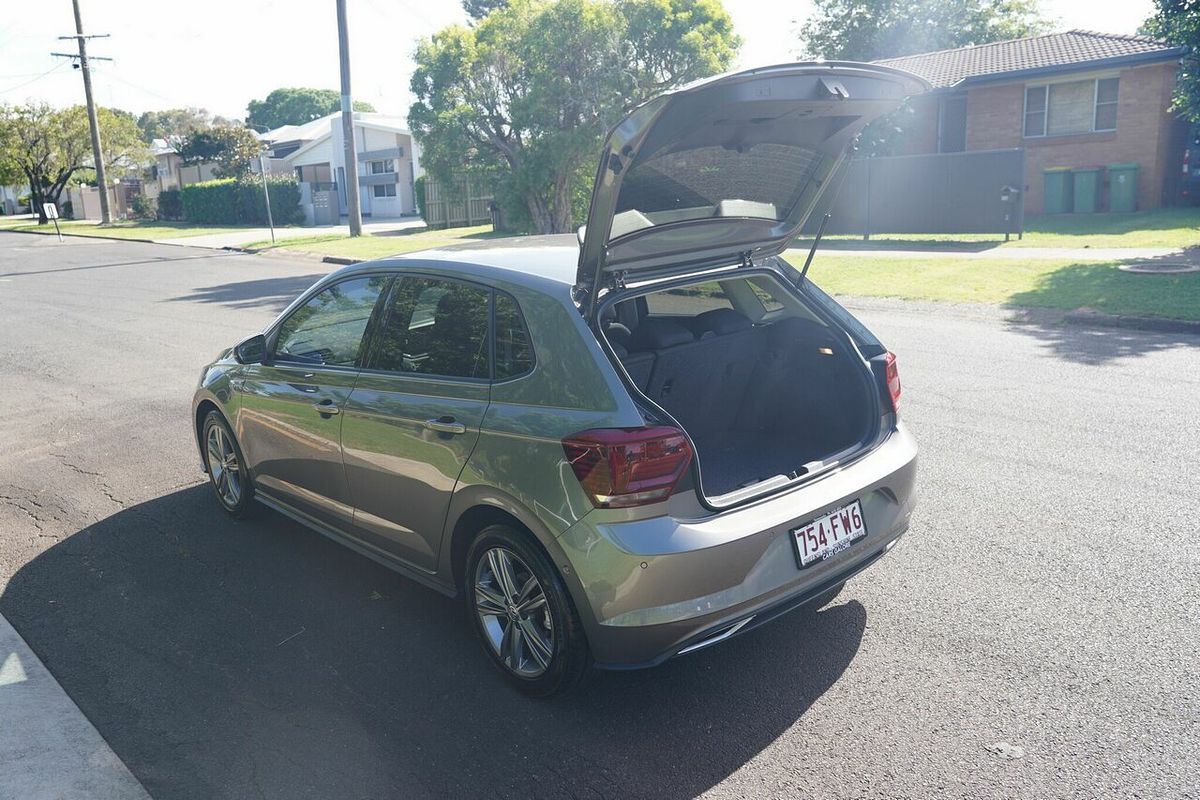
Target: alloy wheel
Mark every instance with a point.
(223, 466)
(513, 612)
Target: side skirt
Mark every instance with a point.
(360, 547)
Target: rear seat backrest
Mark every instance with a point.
(701, 381)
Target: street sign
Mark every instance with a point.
(51, 212)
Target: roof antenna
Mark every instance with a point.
(813, 250)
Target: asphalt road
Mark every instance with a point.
(1036, 634)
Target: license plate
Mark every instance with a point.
(829, 534)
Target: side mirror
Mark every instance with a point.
(252, 350)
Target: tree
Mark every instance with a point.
(866, 30)
(478, 9)
(526, 95)
(1178, 22)
(173, 124)
(295, 107)
(232, 149)
(49, 147)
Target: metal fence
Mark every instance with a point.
(976, 192)
(464, 204)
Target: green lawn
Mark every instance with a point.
(380, 245)
(1168, 227)
(1047, 283)
(123, 229)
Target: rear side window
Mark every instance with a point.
(514, 351)
(435, 327)
(688, 301)
(328, 329)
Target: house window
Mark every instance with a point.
(384, 190)
(1061, 109)
(383, 167)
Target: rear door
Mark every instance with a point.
(290, 415)
(727, 169)
(413, 418)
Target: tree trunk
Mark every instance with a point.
(543, 219)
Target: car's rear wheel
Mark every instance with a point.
(523, 613)
(226, 467)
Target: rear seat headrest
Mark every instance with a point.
(618, 334)
(720, 321)
(656, 333)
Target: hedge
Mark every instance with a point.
(419, 191)
(234, 201)
(170, 207)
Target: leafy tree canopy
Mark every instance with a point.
(1178, 22)
(230, 148)
(49, 148)
(866, 30)
(526, 95)
(295, 107)
(173, 124)
(478, 9)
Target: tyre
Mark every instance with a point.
(523, 614)
(824, 598)
(226, 467)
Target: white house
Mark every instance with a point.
(388, 162)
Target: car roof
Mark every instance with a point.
(553, 258)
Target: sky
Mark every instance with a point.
(220, 54)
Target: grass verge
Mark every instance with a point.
(1167, 227)
(124, 229)
(379, 245)
(1044, 283)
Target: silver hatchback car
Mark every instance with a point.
(620, 447)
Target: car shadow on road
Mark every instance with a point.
(226, 658)
(270, 293)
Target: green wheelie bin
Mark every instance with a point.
(1122, 188)
(1087, 189)
(1058, 189)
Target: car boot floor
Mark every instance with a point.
(730, 460)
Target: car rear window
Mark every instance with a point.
(688, 301)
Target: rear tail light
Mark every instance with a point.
(624, 467)
(892, 375)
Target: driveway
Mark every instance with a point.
(1035, 633)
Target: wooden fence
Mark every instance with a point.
(467, 204)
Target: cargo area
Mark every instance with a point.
(762, 387)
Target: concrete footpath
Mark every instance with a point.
(48, 749)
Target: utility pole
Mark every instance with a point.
(93, 120)
(351, 151)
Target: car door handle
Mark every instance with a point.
(445, 425)
(326, 407)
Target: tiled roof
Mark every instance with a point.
(949, 67)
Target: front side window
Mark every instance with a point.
(385, 190)
(435, 327)
(383, 167)
(1073, 107)
(328, 329)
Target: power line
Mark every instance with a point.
(55, 68)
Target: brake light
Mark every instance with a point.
(624, 467)
(892, 374)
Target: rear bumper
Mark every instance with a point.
(663, 586)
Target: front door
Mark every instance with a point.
(413, 418)
(290, 416)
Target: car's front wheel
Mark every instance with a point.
(521, 610)
(226, 467)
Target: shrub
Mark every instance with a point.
(68, 210)
(232, 201)
(170, 205)
(142, 207)
(419, 192)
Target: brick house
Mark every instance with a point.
(1073, 99)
